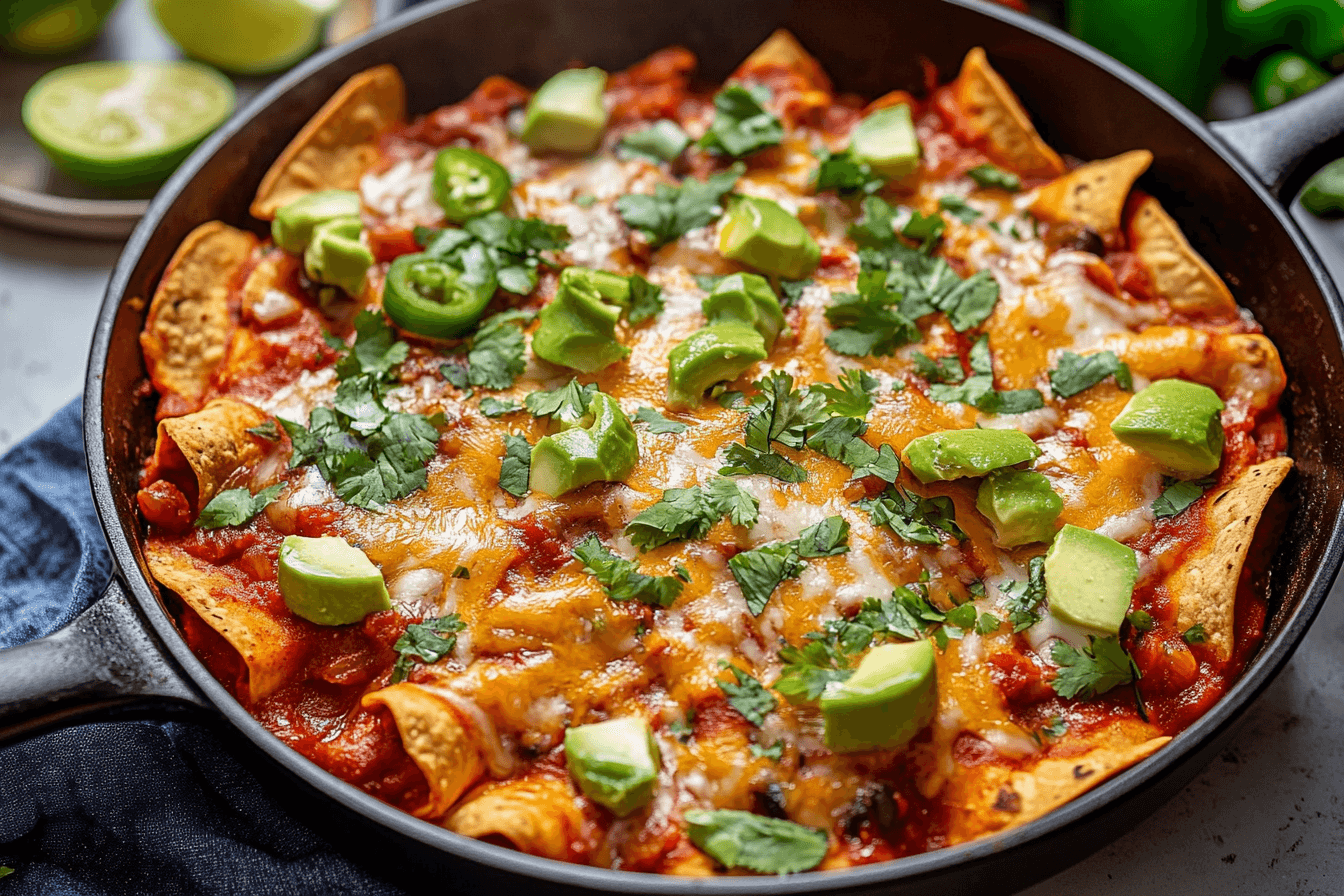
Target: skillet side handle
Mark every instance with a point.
(105, 664)
(1286, 145)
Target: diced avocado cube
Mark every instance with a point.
(761, 235)
(885, 703)
(578, 328)
(749, 299)
(335, 256)
(1178, 423)
(327, 581)
(1089, 579)
(294, 224)
(967, 452)
(604, 450)
(1021, 505)
(886, 140)
(710, 355)
(566, 113)
(615, 763)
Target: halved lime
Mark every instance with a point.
(248, 37)
(49, 27)
(125, 124)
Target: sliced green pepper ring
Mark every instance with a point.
(467, 183)
(430, 297)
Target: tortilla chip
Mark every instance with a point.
(1093, 194)
(339, 144)
(1205, 585)
(212, 443)
(438, 738)
(1176, 271)
(990, 797)
(272, 649)
(189, 322)
(781, 50)
(538, 814)
(996, 116)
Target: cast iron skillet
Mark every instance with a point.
(124, 655)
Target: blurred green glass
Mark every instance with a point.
(51, 27)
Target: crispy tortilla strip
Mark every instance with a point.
(781, 50)
(995, 115)
(271, 648)
(438, 738)
(538, 814)
(339, 144)
(212, 443)
(1093, 194)
(1205, 585)
(1176, 271)
(989, 797)
(189, 323)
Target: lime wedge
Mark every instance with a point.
(125, 124)
(48, 27)
(247, 37)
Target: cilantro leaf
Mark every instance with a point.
(516, 466)
(760, 570)
(978, 390)
(1055, 728)
(1024, 598)
(646, 300)
(659, 424)
(835, 435)
(731, 500)
(6, 871)
(912, 518)
(376, 350)
(496, 357)
(1195, 634)
(793, 291)
(827, 538)
(970, 302)
(495, 247)
(1074, 373)
(810, 668)
(1095, 669)
(662, 141)
(988, 175)
(461, 573)
(1179, 495)
(739, 460)
(866, 460)
(774, 752)
(742, 125)
(844, 175)
(265, 430)
(958, 208)
(781, 413)
(738, 839)
(851, 395)
(621, 578)
(495, 407)
(748, 696)
(425, 641)
(868, 322)
(939, 370)
(679, 515)
(922, 228)
(568, 404)
(1141, 621)
(456, 374)
(987, 624)
(236, 506)
(672, 212)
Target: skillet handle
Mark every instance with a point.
(1286, 145)
(105, 664)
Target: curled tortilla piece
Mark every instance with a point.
(339, 144)
(211, 443)
(189, 321)
(539, 814)
(1205, 585)
(271, 648)
(1176, 271)
(438, 738)
(781, 50)
(1093, 194)
(990, 797)
(996, 115)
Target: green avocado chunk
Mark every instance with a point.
(615, 763)
(336, 256)
(327, 581)
(604, 450)
(578, 327)
(566, 113)
(967, 452)
(1178, 424)
(1089, 579)
(761, 235)
(1021, 505)
(294, 224)
(747, 298)
(710, 355)
(885, 703)
(886, 140)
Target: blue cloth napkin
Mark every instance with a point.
(127, 807)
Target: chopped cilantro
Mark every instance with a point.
(958, 208)
(912, 518)
(987, 624)
(742, 125)
(496, 247)
(810, 668)
(739, 460)
(1024, 598)
(1074, 373)
(456, 374)
(760, 570)
(425, 641)
(731, 500)
(793, 291)
(748, 696)
(774, 752)
(622, 579)
(922, 228)
(827, 538)
(646, 300)
(868, 322)
(680, 514)
(969, 303)
(939, 370)
(844, 175)
(461, 573)
(568, 404)
(682, 729)
(1141, 620)
(978, 389)
(781, 413)
(1095, 669)
(659, 424)
(988, 175)
(497, 355)
(959, 620)
(662, 141)
(851, 395)
(1054, 729)
(6, 871)
(866, 460)
(496, 407)
(236, 506)
(265, 430)
(1195, 634)
(585, 200)
(738, 839)
(376, 351)
(1179, 495)
(834, 437)
(672, 212)
(516, 465)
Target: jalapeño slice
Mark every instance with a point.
(467, 183)
(428, 296)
